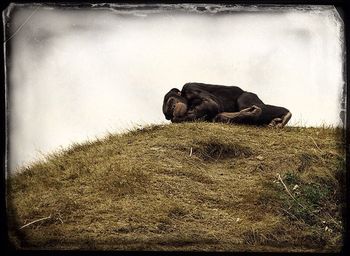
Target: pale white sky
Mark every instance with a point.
(75, 74)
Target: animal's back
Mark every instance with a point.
(226, 95)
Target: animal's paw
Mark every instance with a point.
(276, 123)
(251, 110)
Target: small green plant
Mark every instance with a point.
(305, 201)
(291, 178)
(314, 193)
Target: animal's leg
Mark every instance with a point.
(251, 111)
(244, 115)
(285, 120)
(225, 117)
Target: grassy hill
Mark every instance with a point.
(192, 186)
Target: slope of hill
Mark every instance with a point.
(193, 186)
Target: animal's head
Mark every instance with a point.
(174, 105)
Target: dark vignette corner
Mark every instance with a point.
(343, 9)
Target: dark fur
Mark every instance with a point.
(206, 101)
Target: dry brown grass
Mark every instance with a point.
(193, 186)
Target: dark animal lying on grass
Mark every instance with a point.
(219, 103)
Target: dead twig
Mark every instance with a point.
(286, 188)
(60, 217)
(191, 152)
(315, 144)
(35, 221)
(319, 149)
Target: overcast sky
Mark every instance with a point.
(75, 74)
